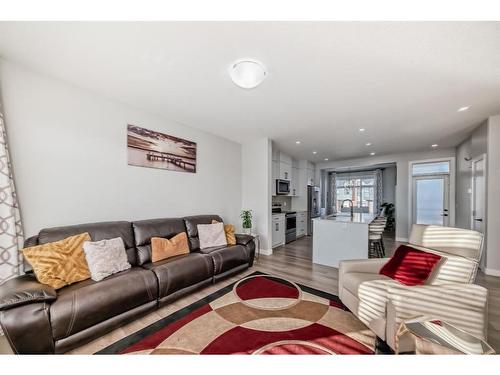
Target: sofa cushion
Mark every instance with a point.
(87, 303)
(163, 248)
(144, 230)
(192, 222)
(182, 271)
(105, 257)
(211, 235)
(97, 231)
(410, 266)
(227, 257)
(59, 263)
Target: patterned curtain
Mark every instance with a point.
(11, 234)
(333, 193)
(379, 192)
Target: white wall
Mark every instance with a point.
(472, 147)
(256, 172)
(69, 156)
(402, 188)
(493, 198)
(389, 177)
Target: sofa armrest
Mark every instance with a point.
(243, 239)
(362, 265)
(22, 290)
(462, 305)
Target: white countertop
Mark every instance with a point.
(357, 218)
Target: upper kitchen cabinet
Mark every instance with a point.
(285, 171)
(310, 177)
(294, 183)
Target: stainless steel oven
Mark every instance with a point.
(282, 187)
(291, 227)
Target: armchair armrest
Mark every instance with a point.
(243, 239)
(22, 290)
(462, 305)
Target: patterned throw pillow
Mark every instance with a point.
(106, 257)
(229, 230)
(163, 248)
(211, 235)
(59, 263)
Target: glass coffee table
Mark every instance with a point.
(439, 337)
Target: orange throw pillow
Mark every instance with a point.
(229, 231)
(59, 263)
(163, 248)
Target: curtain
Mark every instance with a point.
(379, 190)
(11, 234)
(333, 193)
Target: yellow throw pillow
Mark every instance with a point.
(59, 263)
(163, 248)
(229, 230)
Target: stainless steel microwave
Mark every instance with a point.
(282, 187)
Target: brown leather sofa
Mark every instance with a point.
(38, 319)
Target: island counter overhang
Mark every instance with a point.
(342, 237)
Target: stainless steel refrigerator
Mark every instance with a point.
(313, 203)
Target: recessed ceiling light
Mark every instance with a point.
(372, 153)
(368, 144)
(247, 73)
(297, 142)
(326, 159)
(434, 145)
(315, 152)
(362, 129)
(461, 109)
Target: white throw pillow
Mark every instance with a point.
(211, 235)
(105, 257)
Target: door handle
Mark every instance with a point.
(444, 215)
(478, 220)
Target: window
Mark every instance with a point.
(359, 189)
(441, 167)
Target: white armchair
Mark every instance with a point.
(449, 295)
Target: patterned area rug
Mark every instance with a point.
(260, 314)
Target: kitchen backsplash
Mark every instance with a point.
(286, 202)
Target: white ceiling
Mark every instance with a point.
(403, 82)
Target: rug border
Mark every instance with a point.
(124, 343)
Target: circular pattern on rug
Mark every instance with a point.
(254, 291)
(293, 347)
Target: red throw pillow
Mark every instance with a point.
(410, 266)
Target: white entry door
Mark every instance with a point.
(431, 197)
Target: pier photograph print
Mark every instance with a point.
(148, 148)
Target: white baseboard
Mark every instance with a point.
(401, 239)
(492, 272)
(266, 251)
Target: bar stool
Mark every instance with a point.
(375, 236)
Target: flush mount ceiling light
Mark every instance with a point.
(325, 159)
(362, 130)
(461, 109)
(315, 152)
(368, 144)
(372, 153)
(434, 145)
(247, 73)
(297, 142)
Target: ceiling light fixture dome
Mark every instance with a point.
(247, 73)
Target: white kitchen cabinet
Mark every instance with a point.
(278, 224)
(294, 183)
(301, 223)
(310, 177)
(275, 175)
(285, 171)
(285, 158)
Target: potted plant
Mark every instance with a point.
(246, 217)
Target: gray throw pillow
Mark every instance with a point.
(105, 257)
(211, 235)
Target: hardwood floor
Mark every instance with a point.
(294, 262)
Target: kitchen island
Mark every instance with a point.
(340, 237)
